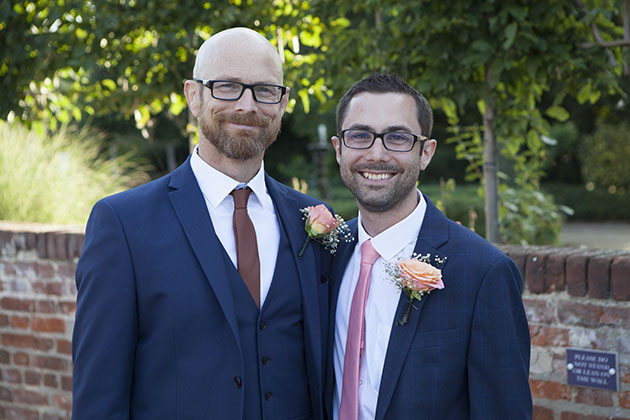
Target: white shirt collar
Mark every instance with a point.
(395, 238)
(216, 186)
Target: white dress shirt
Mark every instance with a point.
(216, 188)
(396, 242)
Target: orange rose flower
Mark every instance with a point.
(419, 276)
(320, 221)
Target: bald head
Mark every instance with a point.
(239, 54)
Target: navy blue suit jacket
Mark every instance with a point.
(465, 352)
(156, 332)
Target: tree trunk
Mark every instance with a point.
(490, 182)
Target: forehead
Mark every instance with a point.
(381, 111)
(243, 60)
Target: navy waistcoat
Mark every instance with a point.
(270, 338)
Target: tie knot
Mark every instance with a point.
(368, 253)
(240, 197)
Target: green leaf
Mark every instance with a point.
(510, 34)
(109, 84)
(558, 113)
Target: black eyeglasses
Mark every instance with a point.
(229, 90)
(396, 141)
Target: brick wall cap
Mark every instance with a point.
(28, 227)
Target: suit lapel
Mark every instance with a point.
(433, 234)
(190, 207)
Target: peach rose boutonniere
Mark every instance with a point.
(324, 227)
(416, 277)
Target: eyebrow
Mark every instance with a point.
(387, 130)
(238, 79)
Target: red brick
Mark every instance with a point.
(12, 304)
(63, 402)
(622, 343)
(32, 377)
(579, 314)
(42, 249)
(576, 416)
(592, 396)
(5, 394)
(64, 347)
(61, 245)
(50, 245)
(554, 272)
(51, 381)
(9, 269)
(620, 278)
(66, 383)
(26, 269)
(518, 255)
(27, 341)
(66, 270)
(543, 413)
(4, 320)
(45, 271)
(48, 325)
(539, 310)
(48, 287)
(615, 316)
(575, 267)
(598, 277)
(19, 322)
(67, 307)
(624, 399)
(550, 390)
(548, 336)
(29, 397)
(52, 363)
(45, 307)
(75, 244)
(13, 376)
(21, 414)
(535, 273)
(31, 240)
(624, 373)
(4, 357)
(48, 416)
(21, 359)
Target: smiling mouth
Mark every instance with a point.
(376, 176)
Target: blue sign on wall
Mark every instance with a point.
(594, 369)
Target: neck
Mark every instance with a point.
(240, 170)
(377, 222)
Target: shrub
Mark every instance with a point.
(58, 178)
(605, 155)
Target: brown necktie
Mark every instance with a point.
(246, 246)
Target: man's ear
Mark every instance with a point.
(285, 100)
(193, 97)
(336, 142)
(427, 153)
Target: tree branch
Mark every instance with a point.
(598, 37)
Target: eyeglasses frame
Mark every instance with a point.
(376, 135)
(210, 83)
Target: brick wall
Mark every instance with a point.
(37, 304)
(573, 298)
(580, 299)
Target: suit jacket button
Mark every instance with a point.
(263, 324)
(265, 360)
(237, 382)
(268, 395)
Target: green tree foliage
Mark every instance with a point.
(487, 65)
(605, 155)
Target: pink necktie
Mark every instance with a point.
(355, 343)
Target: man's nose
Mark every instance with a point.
(246, 102)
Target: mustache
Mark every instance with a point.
(244, 119)
(376, 167)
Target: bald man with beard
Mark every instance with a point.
(177, 320)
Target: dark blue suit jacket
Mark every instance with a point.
(465, 352)
(156, 332)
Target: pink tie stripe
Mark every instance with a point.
(355, 342)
